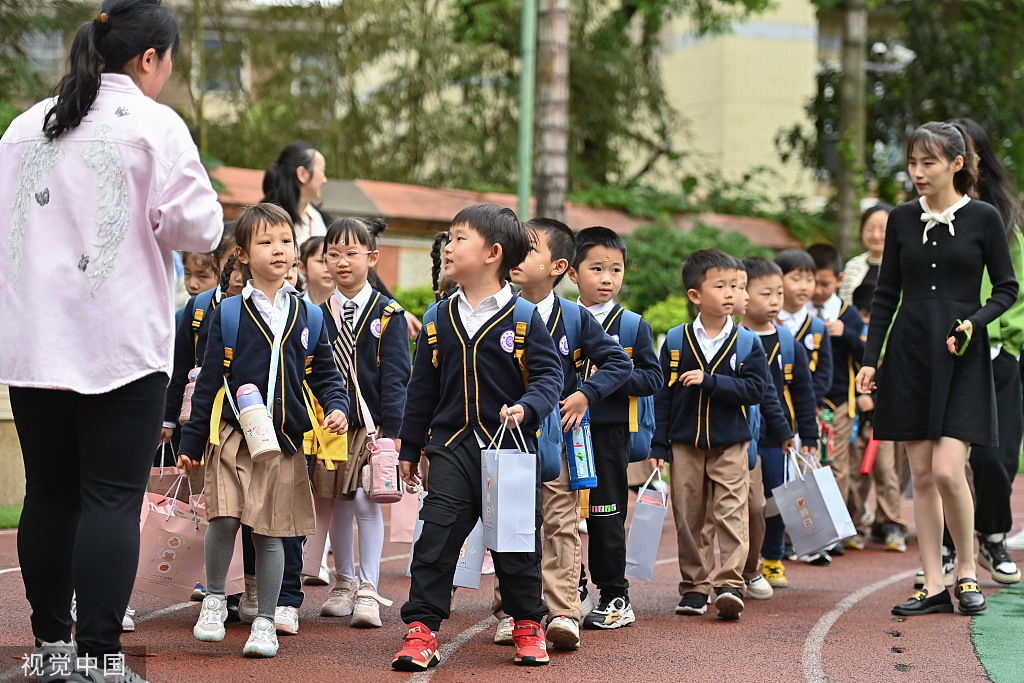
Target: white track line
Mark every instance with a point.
(8, 571)
(166, 610)
(814, 671)
(449, 648)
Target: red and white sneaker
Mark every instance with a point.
(530, 643)
(420, 651)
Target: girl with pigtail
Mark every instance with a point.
(442, 288)
(369, 335)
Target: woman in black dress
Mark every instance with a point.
(933, 394)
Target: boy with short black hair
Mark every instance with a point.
(791, 381)
(466, 382)
(716, 369)
(798, 280)
(846, 330)
(597, 270)
(553, 250)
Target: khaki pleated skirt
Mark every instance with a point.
(341, 484)
(272, 497)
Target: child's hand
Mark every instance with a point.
(165, 435)
(810, 449)
(410, 472)
(789, 445)
(835, 328)
(186, 463)
(866, 380)
(507, 415)
(692, 378)
(865, 403)
(574, 409)
(336, 422)
(656, 463)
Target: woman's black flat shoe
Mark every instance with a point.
(920, 603)
(970, 597)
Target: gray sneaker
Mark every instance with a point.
(121, 673)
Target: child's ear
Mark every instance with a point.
(694, 296)
(241, 256)
(839, 278)
(495, 254)
(374, 257)
(572, 275)
(559, 267)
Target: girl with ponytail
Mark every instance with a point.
(935, 388)
(294, 182)
(101, 185)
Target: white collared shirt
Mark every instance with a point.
(473, 319)
(274, 314)
(546, 306)
(310, 224)
(793, 321)
(828, 311)
(709, 345)
(600, 311)
(360, 300)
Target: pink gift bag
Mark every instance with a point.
(313, 546)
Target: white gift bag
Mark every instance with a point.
(509, 495)
(471, 557)
(812, 507)
(645, 531)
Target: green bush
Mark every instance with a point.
(10, 515)
(665, 315)
(415, 300)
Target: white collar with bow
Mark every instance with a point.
(932, 218)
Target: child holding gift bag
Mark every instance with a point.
(368, 333)
(273, 351)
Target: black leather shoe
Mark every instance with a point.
(920, 603)
(970, 597)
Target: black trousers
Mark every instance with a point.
(995, 468)
(87, 460)
(450, 511)
(609, 503)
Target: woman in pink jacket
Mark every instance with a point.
(100, 185)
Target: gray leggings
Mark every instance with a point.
(220, 544)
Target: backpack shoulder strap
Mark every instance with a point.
(522, 314)
(674, 341)
(744, 344)
(315, 324)
(430, 325)
(629, 327)
(817, 325)
(385, 318)
(572, 319)
(202, 303)
(787, 346)
(230, 313)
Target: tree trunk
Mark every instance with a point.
(850, 178)
(552, 166)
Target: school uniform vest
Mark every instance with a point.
(474, 377)
(710, 415)
(644, 380)
(847, 352)
(382, 379)
(250, 363)
(595, 346)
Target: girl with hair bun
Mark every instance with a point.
(935, 385)
(101, 185)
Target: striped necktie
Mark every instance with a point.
(345, 342)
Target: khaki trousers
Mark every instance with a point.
(842, 426)
(718, 480)
(888, 494)
(563, 549)
(755, 513)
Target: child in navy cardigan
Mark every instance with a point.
(466, 382)
(553, 249)
(700, 423)
(272, 497)
(798, 280)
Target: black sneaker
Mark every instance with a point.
(729, 603)
(837, 550)
(693, 603)
(789, 553)
(609, 615)
(993, 557)
(818, 559)
(948, 565)
(233, 601)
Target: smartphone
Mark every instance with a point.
(960, 337)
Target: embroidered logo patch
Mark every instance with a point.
(563, 345)
(809, 342)
(304, 337)
(507, 341)
(732, 362)
(616, 338)
(780, 361)
(375, 328)
(43, 198)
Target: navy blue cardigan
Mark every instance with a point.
(847, 353)
(798, 408)
(709, 415)
(474, 378)
(187, 352)
(249, 366)
(597, 347)
(384, 384)
(644, 380)
(819, 350)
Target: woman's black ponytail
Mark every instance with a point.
(435, 256)
(123, 30)
(281, 184)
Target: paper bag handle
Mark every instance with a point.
(500, 434)
(657, 470)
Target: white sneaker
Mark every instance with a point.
(583, 526)
(366, 609)
(503, 636)
(564, 633)
(286, 619)
(758, 588)
(586, 605)
(341, 601)
(322, 579)
(198, 593)
(1015, 542)
(53, 660)
(127, 623)
(262, 640)
(93, 675)
(249, 604)
(209, 627)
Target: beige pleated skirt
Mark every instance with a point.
(341, 484)
(272, 497)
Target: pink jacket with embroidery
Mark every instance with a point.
(88, 224)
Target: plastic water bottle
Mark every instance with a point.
(825, 447)
(186, 398)
(579, 452)
(381, 479)
(256, 424)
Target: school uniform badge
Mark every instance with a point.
(809, 342)
(563, 345)
(375, 328)
(304, 337)
(507, 341)
(732, 362)
(616, 338)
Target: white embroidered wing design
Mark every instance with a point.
(41, 157)
(112, 217)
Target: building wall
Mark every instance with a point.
(737, 90)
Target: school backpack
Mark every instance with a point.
(385, 318)
(200, 305)
(745, 341)
(550, 437)
(641, 408)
